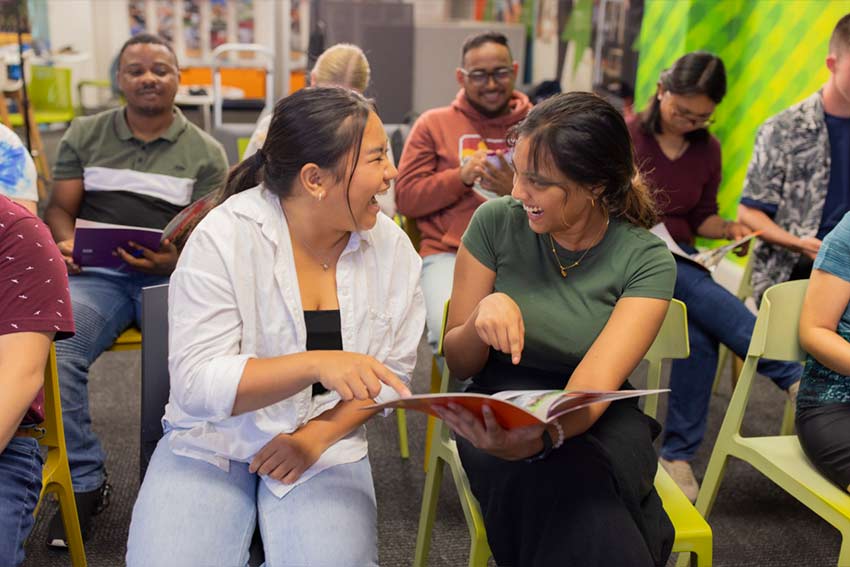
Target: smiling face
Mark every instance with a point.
(372, 175)
(488, 76)
(552, 202)
(681, 114)
(148, 77)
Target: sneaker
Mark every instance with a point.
(89, 504)
(683, 475)
(792, 392)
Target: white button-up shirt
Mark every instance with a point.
(235, 296)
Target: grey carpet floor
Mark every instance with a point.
(755, 523)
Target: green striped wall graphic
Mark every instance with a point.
(774, 53)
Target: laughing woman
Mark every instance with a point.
(292, 305)
(563, 287)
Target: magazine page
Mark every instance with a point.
(180, 227)
(95, 242)
(508, 415)
(708, 259)
(661, 232)
(577, 399)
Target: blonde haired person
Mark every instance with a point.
(341, 65)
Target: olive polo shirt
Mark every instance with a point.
(128, 181)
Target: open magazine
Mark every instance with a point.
(707, 259)
(517, 408)
(180, 227)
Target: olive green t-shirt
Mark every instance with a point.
(563, 316)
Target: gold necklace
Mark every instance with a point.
(324, 262)
(564, 269)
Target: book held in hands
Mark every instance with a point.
(517, 408)
(95, 243)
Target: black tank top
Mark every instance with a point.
(324, 332)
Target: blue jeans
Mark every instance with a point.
(438, 272)
(190, 512)
(105, 303)
(20, 485)
(714, 316)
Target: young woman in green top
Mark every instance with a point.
(563, 287)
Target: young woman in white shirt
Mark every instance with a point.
(294, 304)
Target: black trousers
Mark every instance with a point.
(824, 434)
(590, 503)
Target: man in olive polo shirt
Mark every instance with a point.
(138, 165)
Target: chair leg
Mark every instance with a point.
(711, 481)
(844, 553)
(722, 356)
(430, 495)
(68, 508)
(479, 550)
(436, 379)
(401, 417)
(787, 427)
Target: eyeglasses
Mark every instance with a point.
(702, 121)
(480, 77)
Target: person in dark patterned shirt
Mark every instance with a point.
(798, 183)
(35, 308)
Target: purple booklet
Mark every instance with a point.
(95, 243)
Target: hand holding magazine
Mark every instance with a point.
(708, 259)
(517, 408)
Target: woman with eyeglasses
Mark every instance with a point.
(681, 160)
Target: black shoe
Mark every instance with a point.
(89, 504)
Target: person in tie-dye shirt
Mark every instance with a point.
(18, 178)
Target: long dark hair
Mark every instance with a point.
(588, 141)
(321, 125)
(697, 73)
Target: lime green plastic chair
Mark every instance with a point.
(49, 91)
(693, 535)
(56, 474)
(745, 291)
(779, 458)
(443, 451)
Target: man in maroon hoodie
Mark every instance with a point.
(456, 158)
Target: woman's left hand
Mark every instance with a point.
(489, 436)
(287, 456)
(734, 231)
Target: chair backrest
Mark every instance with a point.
(775, 335)
(50, 88)
(54, 429)
(155, 382)
(671, 342)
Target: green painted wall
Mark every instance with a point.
(774, 52)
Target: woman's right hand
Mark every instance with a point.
(499, 324)
(356, 376)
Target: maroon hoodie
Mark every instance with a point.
(428, 187)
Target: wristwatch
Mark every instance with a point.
(545, 451)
